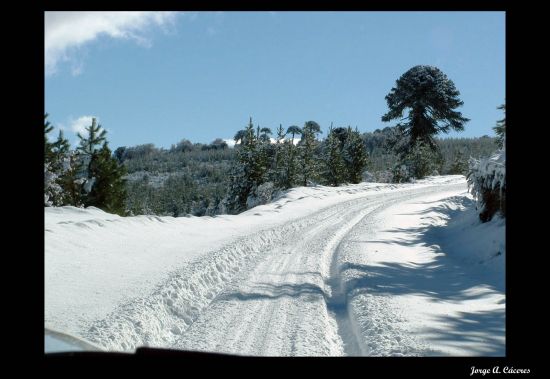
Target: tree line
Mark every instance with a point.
(210, 179)
(87, 176)
(265, 166)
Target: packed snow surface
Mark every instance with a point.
(364, 269)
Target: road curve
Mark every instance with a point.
(290, 301)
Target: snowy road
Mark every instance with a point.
(315, 286)
(291, 302)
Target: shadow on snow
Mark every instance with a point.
(441, 280)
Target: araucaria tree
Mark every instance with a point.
(429, 99)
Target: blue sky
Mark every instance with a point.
(161, 77)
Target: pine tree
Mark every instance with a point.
(93, 141)
(72, 181)
(291, 156)
(48, 147)
(248, 171)
(56, 165)
(89, 146)
(307, 147)
(108, 191)
(263, 154)
(355, 156)
(61, 146)
(459, 165)
(277, 172)
(333, 162)
(104, 186)
(500, 128)
(421, 160)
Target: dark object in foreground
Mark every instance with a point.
(141, 352)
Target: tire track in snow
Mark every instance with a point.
(279, 305)
(159, 318)
(338, 302)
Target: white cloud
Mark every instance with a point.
(230, 142)
(66, 31)
(79, 125)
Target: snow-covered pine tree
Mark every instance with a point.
(238, 190)
(500, 128)
(277, 172)
(52, 190)
(355, 156)
(333, 169)
(248, 170)
(72, 181)
(48, 147)
(291, 158)
(263, 154)
(487, 183)
(56, 165)
(307, 145)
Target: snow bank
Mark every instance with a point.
(487, 182)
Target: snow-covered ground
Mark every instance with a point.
(365, 269)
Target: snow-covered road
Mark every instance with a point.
(356, 277)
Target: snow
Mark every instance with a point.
(291, 277)
(434, 285)
(488, 174)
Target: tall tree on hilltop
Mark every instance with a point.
(430, 98)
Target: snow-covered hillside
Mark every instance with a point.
(365, 269)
